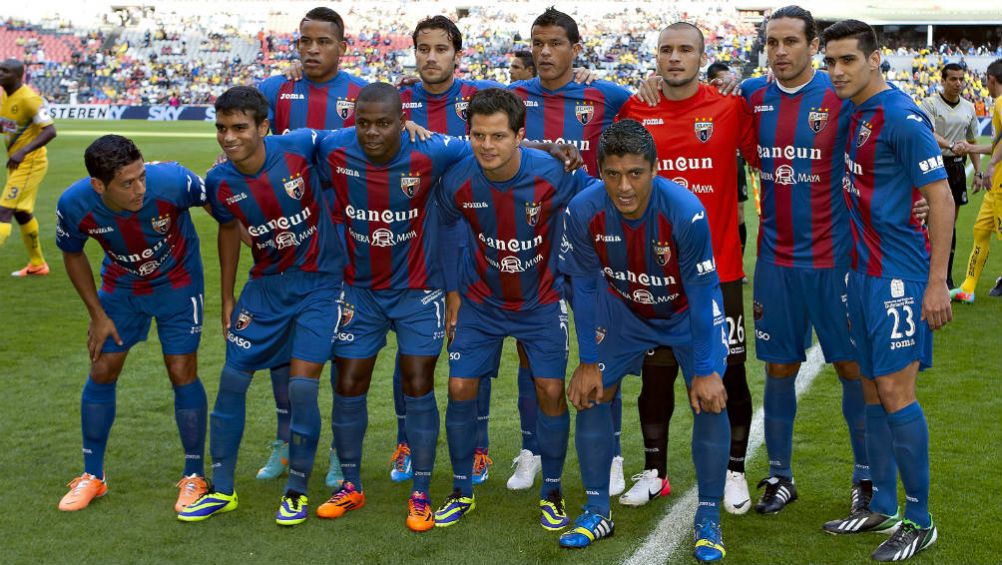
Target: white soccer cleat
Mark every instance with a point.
(617, 482)
(647, 487)
(736, 497)
(527, 466)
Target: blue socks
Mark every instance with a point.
(484, 412)
(854, 412)
(227, 426)
(528, 408)
(616, 410)
(280, 386)
(552, 434)
(460, 418)
(422, 433)
(711, 441)
(97, 414)
(910, 435)
(191, 409)
(399, 405)
(593, 439)
(304, 431)
(780, 405)
(883, 468)
(351, 417)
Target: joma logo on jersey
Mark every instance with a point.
(412, 105)
(653, 122)
(931, 164)
(410, 185)
(703, 128)
(817, 119)
(105, 229)
(161, 224)
(243, 320)
(532, 212)
(584, 112)
(348, 172)
(607, 238)
(345, 108)
(865, 129)
(662, 252)
(461, 108)
(291, 96)
(294, 187)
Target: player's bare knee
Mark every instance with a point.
(848, 370)
(897, 390)
(308, 369)
(181, 369)
(418, 372)
(782, 370)
(107, 368)
(353, 376)
(462, 389)
(550, 395)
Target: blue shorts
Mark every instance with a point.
(282, 317)
(886, 326)
(178, 313)
(480, 333)
(417, 317)
(788, 302)
(624, 339)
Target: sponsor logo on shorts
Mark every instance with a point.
(237, 340)
(762, 335)
(897, 288)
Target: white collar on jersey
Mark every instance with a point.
(795, 89)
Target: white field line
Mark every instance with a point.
(676, 525)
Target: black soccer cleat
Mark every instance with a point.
(860, 521)
(997, 289)
(862, 493)
(779, 491)
(906, 542)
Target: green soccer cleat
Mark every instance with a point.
(207, 506)
(293, 510)
(453, 509)
(552, 513)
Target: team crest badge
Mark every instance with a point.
(347, 314)
(865, 129)
(295, 187)
(161, 224)
(532, 212)
(703, 127)
(410, 185)
(584, 112)
(461, 108)
(345, 108)
(757, 310)
(662, 252)
(599, 335)
(817, 119)
(243, 320)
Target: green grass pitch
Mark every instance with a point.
(42, 345)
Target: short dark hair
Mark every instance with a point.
(326, 15)
(995, 70)
(554, 17)
(246, 99)
(864, 35)
(715, 68)
(490, 101)
(443, 23)
(380, 92)
(526, 58)
(950, 67)
(627, 137)
(796, 12)
(678, 26)
(109, 153)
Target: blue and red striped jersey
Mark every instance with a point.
(446, 112)
(574, 113)
(890, 152)
(153, 250)
(648, 262)
(388, 210)
(281, 206)
(295, 104)
(805, 222)
(513, 228)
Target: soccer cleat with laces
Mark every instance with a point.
(420, 517)
(190, 488)
(552, 514)
(293, 510)
(861, 494)
(453, 509)
(646, 487)
(588, 528)
(617, 481)
(779, 491)
(482, 463)
(527, 466)
(83, 489)
(736, 497)
(344, 499)
(278, 461)
(400, 464)
(997, 289)
(709, 544)
(958, 295)
(334, 475)
(862, 520)
(207, 506)
(32, 271)
(906, 542)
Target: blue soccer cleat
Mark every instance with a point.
(293, 510)
(709, 543)
(552, 514)
(588, 528)
(207, 506)
(400, 464)
(482, 464)
(453, 509)
(277, 463)
(334, 475)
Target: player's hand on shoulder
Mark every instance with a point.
(936, 308)
(568, 154)
(729, 84)
(707, 394)
(585, 389)
(417, 132)
(584, 76)
(649, 90)
(407, 80)
(921, 209)
(100, 329)
(294, 70)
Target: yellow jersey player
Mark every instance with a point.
(26, 127)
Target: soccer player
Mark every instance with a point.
(990, 213)
(698, 131)
(138, 213)
(287, 311)
(897, 284)
(509, 201)
(26, 127)
(522, 66)
(558, 108)
(954, 120)
(643, 276)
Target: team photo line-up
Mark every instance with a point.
(460, 212)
